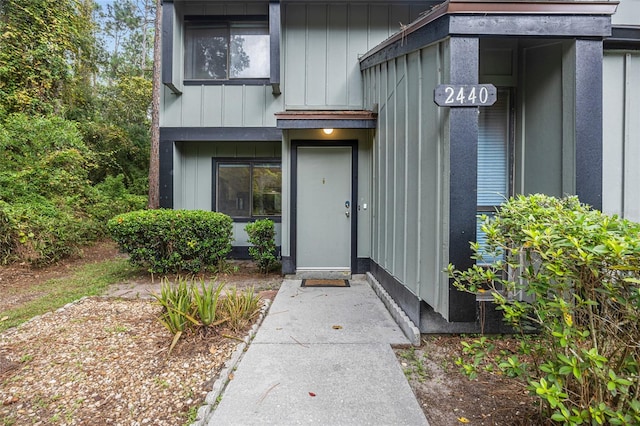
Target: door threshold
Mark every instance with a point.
(324, 274)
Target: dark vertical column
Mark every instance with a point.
(463, 125)
(274, 36)
(588, 122)
(167, 43)
(166, 172)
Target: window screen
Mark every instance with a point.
(226, 50)
(246, 190)
(493, 161)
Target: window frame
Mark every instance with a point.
(251, 161)
(227, 20)
(490, 210)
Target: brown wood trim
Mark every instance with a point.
(325, 115)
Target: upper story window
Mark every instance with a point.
(225, 50)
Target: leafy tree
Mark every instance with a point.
(125, 37)
(42, 44)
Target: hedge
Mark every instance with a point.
(167, 241)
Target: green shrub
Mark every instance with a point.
(571, 274)
(178, 311)
(240, 307)
(187, 306)
(41, 232)
(262, 235)
(205, 300)
(173, 240)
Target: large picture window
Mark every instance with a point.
(227, 50)
(249, 189)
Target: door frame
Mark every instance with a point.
(293, 234)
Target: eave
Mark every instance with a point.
(360, 119)
(497, 18)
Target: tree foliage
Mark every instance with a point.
(43, 45)
(74, 132)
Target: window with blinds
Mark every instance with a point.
(493, 161)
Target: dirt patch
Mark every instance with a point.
(104, 360)
(448, 397)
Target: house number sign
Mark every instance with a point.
(465, 95)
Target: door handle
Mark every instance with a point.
(347, 214)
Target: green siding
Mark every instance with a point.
(621, 138)
(542, 144)
(627, 13)
(411, 163)
(216, 105)
(193, 172)
(321, 45)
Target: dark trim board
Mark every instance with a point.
(165, 180)
(430, 322)
(429, 34)
(545, 26)
(326, 124)
(363, 265)
(288, 265)
(229, 82)
(293, 235)
(221, 134)
(627, 38)
(407, 301)
(167, 46)
(242, 252)
(226, 18)
(274, 45)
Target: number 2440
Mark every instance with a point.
(480, 96)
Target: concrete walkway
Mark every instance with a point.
(322, 356)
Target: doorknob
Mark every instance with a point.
(347, 214)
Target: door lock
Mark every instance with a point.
(347, 214)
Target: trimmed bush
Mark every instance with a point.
(262, 235)
(166, 241)
(571, 274)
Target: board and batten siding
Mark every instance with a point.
(193, 174)
(321, 46)
(411, 168)
(621, 135)
(220, 106)
(216, 105)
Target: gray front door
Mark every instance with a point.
(324, 213)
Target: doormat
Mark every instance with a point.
(324, 283)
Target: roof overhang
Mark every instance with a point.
(361, 119)
(479, 18)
